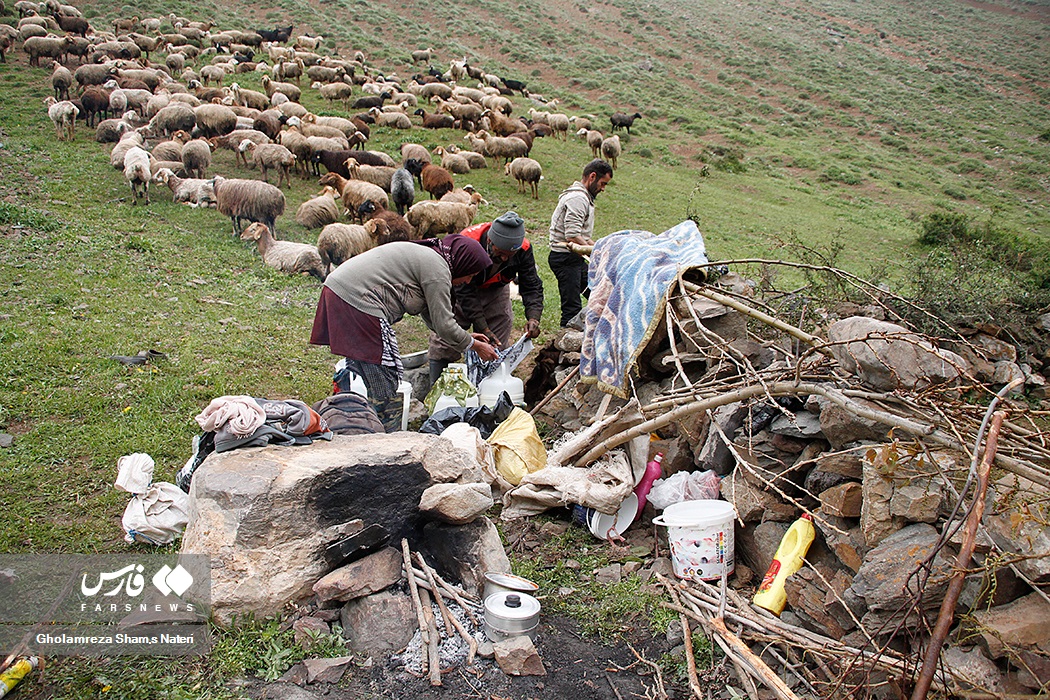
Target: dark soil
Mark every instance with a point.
(578, 668)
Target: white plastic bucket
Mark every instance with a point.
(700, 536)
(605, 526)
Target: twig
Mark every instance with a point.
(424, 629)
(661, 692)
(555, 391)
(687, 634)
(754, 664)
(445, 614)
(434, 646)
(947, 612)
(450, 619)
(611, 685)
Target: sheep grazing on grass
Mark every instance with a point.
(396, 227)
(506, 148)
(380, 175)
(319, 211)
(61, 80)
(248, 200)
(172, 149)
(560, 124)
(270, 156)
(214, 120)
(462, 195)
(526, 170)
(194, 192)
(611, 150)
(435, 179)
(452, 162)
(110, 130)
(423, 56)
(196, 157)
(285, 256)
(127, 141)
(64, 116)
(393, 120)
(594, 140)
(337, 243)
(474, 159)
(233, 140)
(402, 191)
(435, 121)
(137, 173)
(431, 219)
(355, 193)
(620, 120)
(272, 87)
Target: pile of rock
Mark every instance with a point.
(872, 445)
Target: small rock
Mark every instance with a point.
(663, 566)
(1043, 322)
(674, 633)
(563, 591)
(296, 674)
(457, 504)
(517, 656)
(362, 577)
(378, 624)
(571, 564)
(1022, 623)
(974, 669)
(743, 574)
(329, 670)
(554, 529)
(486, 650)
(843, 500)
(630, 567)
(804, 425)
(609, 574)
(918, 501)
(6, 440)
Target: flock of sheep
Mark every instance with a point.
(167, 120)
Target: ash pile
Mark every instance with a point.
(877, 431)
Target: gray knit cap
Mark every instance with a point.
(507, 232)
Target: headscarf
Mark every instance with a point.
(465, 256)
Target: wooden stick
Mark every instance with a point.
(447, 592)
(555, 391)
(434, 645)
(417, 599)
(962, 562)
(449, 618)
(445, 614)
(661, 692)
(755, 664)
(687, 634)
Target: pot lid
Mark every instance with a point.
(509, 605)
(515, 583)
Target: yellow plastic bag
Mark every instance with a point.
(519, 450)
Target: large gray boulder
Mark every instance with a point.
(887, 357)
(265, 516)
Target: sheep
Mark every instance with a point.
(94, 102)
(416, 152)
(402, 191)
(468, 115)
(309, 42)
(233, 140)
(394, 120)
(272, 86)
(581, 123)
(212, 74)
(31, 31)
(269, 122)
(64, 116)
(194, 192)
(294, 141)
(94, 74)
(539, 117)
(169, 150)
(270, 156)
(560, 124)
(46, 47)
(214, 120)
(424, 56)
(377, 158)
(324, 74)
(515, 86)
(430, 219)
(435, 179)
(110, 130)
(315, 129)
(8, 36)
(336, 91)
(248, 200)
(611, 150)
(620, 120)
(137, 173)
(501, 125)
(284, 70)
(395, 227)
(452, 162)
(285, 256)
(175, 117)
(356, 192)
(249, 98)
(526, 170)
(175, 62)
(126, 143)
(337, 242)
(594, 140)
(320, 210)
(61, 80)
(474, 159)
(507, 148)
(497, 103)
(436, 121)
(196, 157)
(347, 127)
(461, 195)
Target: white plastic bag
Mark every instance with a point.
(684, 486)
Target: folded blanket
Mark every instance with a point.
(242, 414)
(630, 276)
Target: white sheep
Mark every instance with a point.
(594, 139)
(526, 170)
(560, 124)
(381, 175)
(64, 116)
(137, 173)
(319, 211)
(196, 157)
(430, 219)
(337, 242)
(285, 256)
(611, 150)
(270, 156)
(394, 120)
(453, 162)
(195, 192)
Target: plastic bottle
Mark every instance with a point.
(16, 672)
(786, 561)
(653, 471)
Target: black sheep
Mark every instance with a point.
(623, 121)
(516, 86)
(369, 101)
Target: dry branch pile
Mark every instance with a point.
(877, 431)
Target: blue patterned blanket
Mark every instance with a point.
(630, 276)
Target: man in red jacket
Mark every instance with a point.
(484, 303)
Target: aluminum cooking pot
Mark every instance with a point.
(511, 615)
(497, 582)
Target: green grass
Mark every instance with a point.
(757, 122)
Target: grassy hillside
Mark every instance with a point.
(831, 122)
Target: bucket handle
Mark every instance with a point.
(659, 520)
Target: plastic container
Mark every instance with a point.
(653, 471)
(500, 381)
(603, 525)
(452, 389)
(786, 561)
(700, 537)
(405, 389)
(16, 672)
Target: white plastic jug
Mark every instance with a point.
(501, 380)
